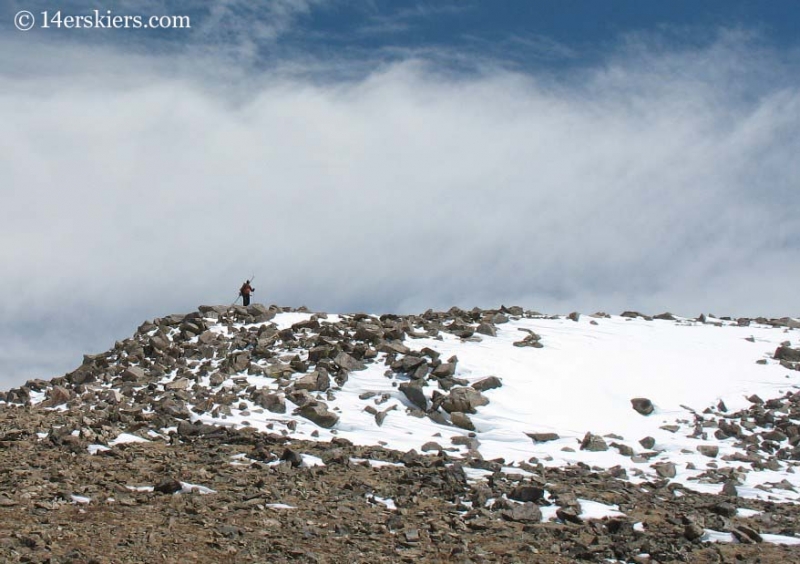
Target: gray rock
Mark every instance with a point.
(318, 353)
(168, 486)
(642, 405)
(272, 402)
(666, 316)
(464, 399)
(430, 446)
(413, 391)
(292, 457)
(665, 469)
(787, 353)
(133, 374)
(693, 531)
(623, 449)
(344, 360)
(393, 347)
(239, 361)
(486, 329)
(729, 489)
(526, 513)
(57, 395)
(746, 535)
(318, 413)
(569, 515)
(489, 383)
(593, 443)
(543, 437)
(499, 318)
(179, 384)
(462, 421)
(647, 442)
(526, 493)
(710, 451)
(725, 509)
(317, 381)
(444, 370)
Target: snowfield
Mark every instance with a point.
(582, 380)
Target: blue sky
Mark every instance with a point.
(525, 34)
(394, 156)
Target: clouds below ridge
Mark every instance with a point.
(658, 180)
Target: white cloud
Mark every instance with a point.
(133, 187)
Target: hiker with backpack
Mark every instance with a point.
(245, 292)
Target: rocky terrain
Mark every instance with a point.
(150, 452)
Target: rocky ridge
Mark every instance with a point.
(348, 502)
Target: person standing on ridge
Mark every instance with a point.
(245, 292)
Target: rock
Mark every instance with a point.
(239, 361)
(368, 332)
(462, 421)
(774, 435)
(516, 311)
(486, 329)
(317, 381)
(344, 360)
(444, 370)
(300, 397)
(133, 374)
(692, 531)
(413, 391)
(272, 402)
(431, 445)
(725, 509)
(489, 383)
(57, 395)
(593, 443)
(569, 516)
(543, 437)
(295, 459)
(464, 399)
(408, 364)
(787, 353)
(261, 313)
(318, 413)
(197, 429)
(499, 318)
(746, 535)
(318, 353)
(710, 451)
(632, 314)
(112, 397)
(532, 340)
(168, 486)
(642, 405)
(526, 513)
(393, 347)
(729, 489)
(179, 384)
(574, 316)
(623, 449)
(526, 493)
(665, 469)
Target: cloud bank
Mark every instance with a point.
(135, 186)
